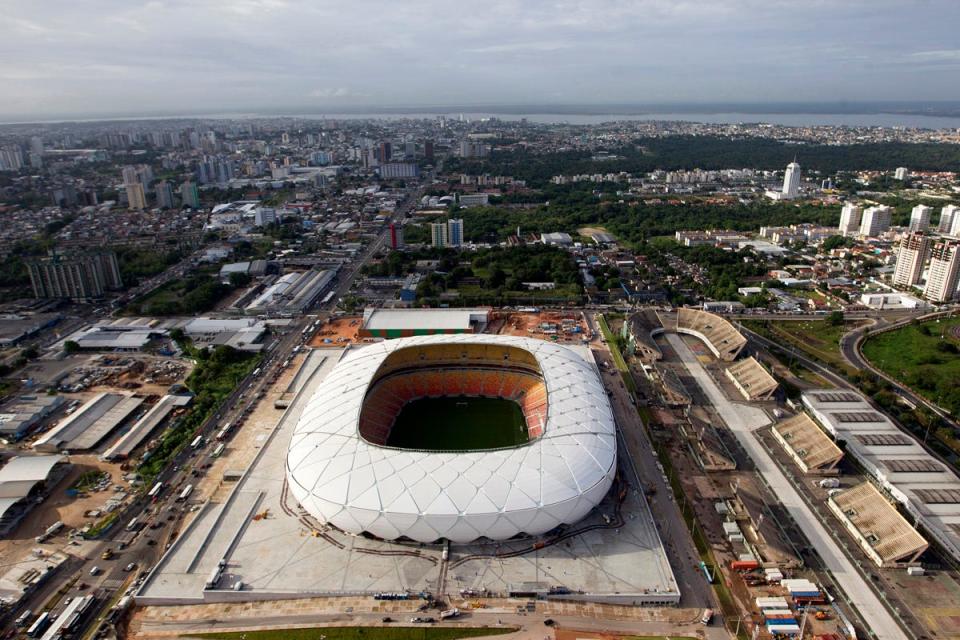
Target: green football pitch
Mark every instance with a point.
(458, 424)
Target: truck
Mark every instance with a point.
(107, 554)
(706, 617)
(51, 531)
(450, 613)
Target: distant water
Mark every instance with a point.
(914, 121)
(785, 119)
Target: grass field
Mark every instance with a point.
(817, 338)
(458, 424)
(362, 633)
(924, 356)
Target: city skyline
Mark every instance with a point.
(107, 58)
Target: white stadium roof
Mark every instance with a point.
(340, 478)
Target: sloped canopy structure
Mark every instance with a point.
(359, 486)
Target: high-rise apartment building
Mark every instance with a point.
(947, 216)
(190, 195)
(943, 273)
(910, 258)
(850, 217)
(133, 185)
(455, 231)
(791, 181)
(82, 277)
(920, 217)
(384, 152)
(902, 173)
(438, 234)
(164, 195)
(875, 220)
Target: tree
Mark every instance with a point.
(71, 347)
(240, 279)
(835, 318)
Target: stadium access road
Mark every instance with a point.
(695, 591)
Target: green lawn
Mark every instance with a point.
(817, 338)
(363, 633)
(924, 356)
(459, 424)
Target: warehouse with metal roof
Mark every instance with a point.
(400, 323)
(88, 425)
(21, 479)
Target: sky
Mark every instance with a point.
(105, 57)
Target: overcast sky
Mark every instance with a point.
(126, 57)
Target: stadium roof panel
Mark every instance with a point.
(460, 495)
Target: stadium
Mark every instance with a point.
(456, 437)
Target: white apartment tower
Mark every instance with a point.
(920, 217)
(947, 216)
(902, 173)
(791, 181)
(850, 217)
(910, 259)
(875, 221)
(943, 273)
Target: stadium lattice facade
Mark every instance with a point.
(340, 469)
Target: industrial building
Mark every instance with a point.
(883, 534)
(806, 443)
(142, 428)
(24, 414)
(293, 293)
(115, 337)
(401, 323)
(25, 477)
(88, 425)
(245, 334)
(14, 328)
(900, 466)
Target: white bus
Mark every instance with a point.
(132, 525)
(187, 490)
(155, 491)
(218, 450)
(197, 442)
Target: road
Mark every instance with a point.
(851, 344)
(531, 623)
(694, 589)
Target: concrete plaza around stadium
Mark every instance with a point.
(288, 555)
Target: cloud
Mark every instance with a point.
(114, 56)
(339, 92)
(947, 55)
